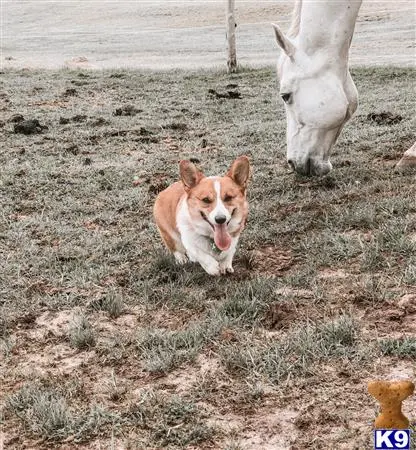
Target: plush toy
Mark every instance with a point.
(390, 395)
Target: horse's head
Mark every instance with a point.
(319, 96)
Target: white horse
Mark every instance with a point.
(315, 83)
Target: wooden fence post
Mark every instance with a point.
(231, 25)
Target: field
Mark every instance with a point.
(106, 343)
(166, 34)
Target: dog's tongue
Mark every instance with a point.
(222, 238)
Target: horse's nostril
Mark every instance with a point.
(308, 167)
(291, 164)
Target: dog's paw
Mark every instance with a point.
(180, 258)
(226, 268)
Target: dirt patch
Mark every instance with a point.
(408, 304)
(267, 430)
(280, 315)
(393, 319)
(182, 381)
(157, 183)
(54, 324)
(53, 360)
(30, 126)
(272, 260)
(127, 110)
(385, 118)
(230, 94)
(78, 118)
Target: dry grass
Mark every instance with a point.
(104, 340)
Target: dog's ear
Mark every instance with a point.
(240, 171)
(190, 175)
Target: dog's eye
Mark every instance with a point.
(206, 200)
(287, 97)
(228, 198)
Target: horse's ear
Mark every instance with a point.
(283, 42)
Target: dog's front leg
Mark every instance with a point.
(226, 264)
(208, 263)
(197, 250)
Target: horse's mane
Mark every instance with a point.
(295, 23)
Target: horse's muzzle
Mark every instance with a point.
(310, 167)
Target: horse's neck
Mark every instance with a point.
(328, 25)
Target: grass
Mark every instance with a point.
(297, 354)
(112, 303)
(410, 273)
(81, 333)
(247, 304)
(163, 350)
(404, 348)
(162, 356)
(45, 413)
(170, 421)
(370, 291)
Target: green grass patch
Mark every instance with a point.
(45, 413)
(403, 348)
(162, 350)
(296, 354)
(172, 422)
(81, 333)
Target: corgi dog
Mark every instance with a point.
(201, 218)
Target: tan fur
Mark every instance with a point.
(239, 173)
(191, 206)
(205, 188)
(168, 200)
(165, 214)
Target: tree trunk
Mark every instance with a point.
(232, 57)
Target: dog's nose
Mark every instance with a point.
(220, 219)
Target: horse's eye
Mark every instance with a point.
(286, 97)
(206, 200)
